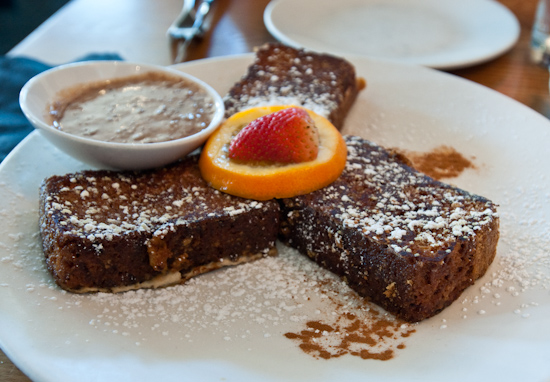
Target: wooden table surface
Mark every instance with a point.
(136, 29)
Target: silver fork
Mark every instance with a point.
(185, 19)
(188, 25)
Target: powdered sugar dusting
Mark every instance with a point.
(253, 303)
(400, 207)
(324, 107)
(272, 295)
(284, 76)
(522, 267)
(111, 204)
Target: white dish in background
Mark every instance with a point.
(220, 327)
(43, 89)
(442, 34)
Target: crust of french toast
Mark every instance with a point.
(407, 242)
(281, 75)
(110, 231)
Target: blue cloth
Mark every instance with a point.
(14, 73)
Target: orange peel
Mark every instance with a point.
(268, 181)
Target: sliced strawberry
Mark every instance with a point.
(286, 136)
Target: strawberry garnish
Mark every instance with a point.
(286, 136)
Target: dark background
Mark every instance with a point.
(18, 18)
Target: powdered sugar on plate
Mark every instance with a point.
(274, 296)
(521, 268)
(260, 302)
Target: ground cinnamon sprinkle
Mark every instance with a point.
(441, 162)
(367, 334)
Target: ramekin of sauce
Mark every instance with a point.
(144, 108)
(120, 115)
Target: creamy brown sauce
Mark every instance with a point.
(147, 108)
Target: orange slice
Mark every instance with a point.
(263, 182)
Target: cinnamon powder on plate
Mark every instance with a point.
(442, 162)
(356, 329)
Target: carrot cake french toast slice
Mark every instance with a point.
(407, 242)
(115, 231)
(281, 75)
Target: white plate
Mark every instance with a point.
(229, 325)
(442, 34)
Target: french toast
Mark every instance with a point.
(400, 238)
(281, 75)
(407, 242)
(127, 240)
(114, 231)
